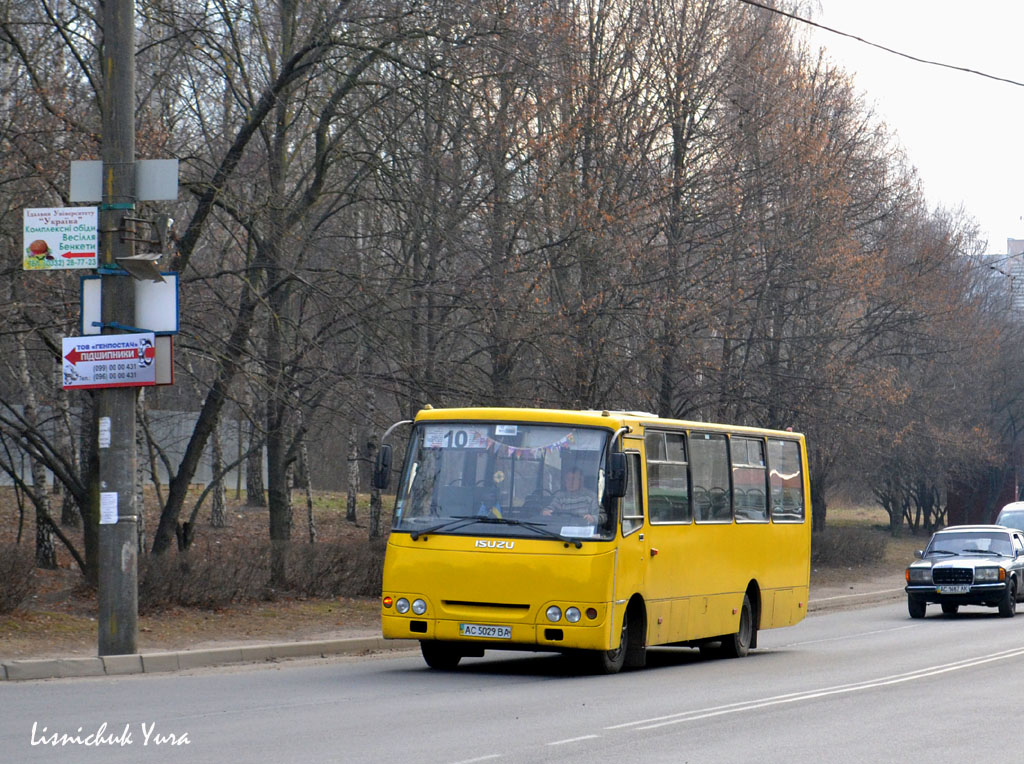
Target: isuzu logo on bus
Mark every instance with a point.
(492, 544)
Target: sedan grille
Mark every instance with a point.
(953, 575)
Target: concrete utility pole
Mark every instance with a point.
(115, 406)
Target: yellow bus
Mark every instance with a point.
(600, 533)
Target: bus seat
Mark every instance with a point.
(455, 499)
(660, 509)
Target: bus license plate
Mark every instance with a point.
(955, 589)
(488, 632)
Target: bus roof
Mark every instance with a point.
(592, 418)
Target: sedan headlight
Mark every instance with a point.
(989, 575)
(920, 575)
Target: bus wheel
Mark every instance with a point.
(439, 655)
(612, 661)
(737, 645)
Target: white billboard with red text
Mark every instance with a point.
(114, 360)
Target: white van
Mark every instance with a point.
(1012, 515)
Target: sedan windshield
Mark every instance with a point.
(983, 543)
(500, 479)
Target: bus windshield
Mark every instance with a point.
(501, 479)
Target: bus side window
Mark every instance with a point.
(749, 477)
(786, 480)
(668, 492)
(632, 509)
(709, 460)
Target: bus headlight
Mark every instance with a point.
(419, 607)
(402, 605)
(572, 615)
(554, 614)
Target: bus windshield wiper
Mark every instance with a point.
(455, 521)
(540, 528)
(458, 521)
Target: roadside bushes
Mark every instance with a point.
(839, 546)
(17, 563)
(219, 574)
(335, 570)
(202, 576)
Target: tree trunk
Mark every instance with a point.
(279, 503)
(69, 516)
(353, 474)
(375, 500)
(218, 499)
(818, 508)
(141, 446)
(238, 459)
(46, 549)
(372, 445)
(307, 483)
(254, 494)
(90, 467)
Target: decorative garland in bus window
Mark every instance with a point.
(533, 452)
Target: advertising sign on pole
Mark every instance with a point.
(60, 237)
(110, 360)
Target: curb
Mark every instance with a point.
(151, 663)
(860, 599)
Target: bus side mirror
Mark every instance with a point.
(382, 469)
(615, 479)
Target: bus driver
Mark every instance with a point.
(574, 501)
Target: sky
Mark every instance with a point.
(963, 132)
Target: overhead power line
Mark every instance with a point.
(880, 47)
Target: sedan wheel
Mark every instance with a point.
(1008, 604)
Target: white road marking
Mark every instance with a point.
(794, 697)
(859, 594)
(850, 636)
(574, 739)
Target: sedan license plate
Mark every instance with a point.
(482, 630)
(954, 589)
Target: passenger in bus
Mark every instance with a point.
(574, 501)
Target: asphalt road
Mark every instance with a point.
(857, 685)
